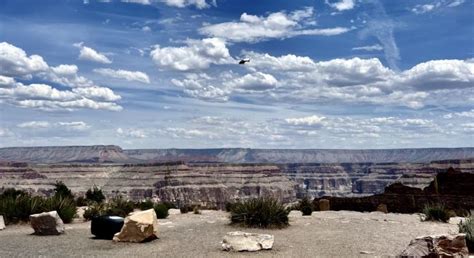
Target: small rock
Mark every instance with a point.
(295, 213)
(251, 242)
(2, 223)
(437, 246)
(366, 252)
(456, 220)
(139, 227)
(324, 205)
(47, 223)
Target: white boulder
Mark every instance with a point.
(2, 223)
(139, 227)
(437, 246)
(251, 242)
(47, 223)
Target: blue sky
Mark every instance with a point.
(165, 73)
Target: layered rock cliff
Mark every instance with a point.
(208, 185)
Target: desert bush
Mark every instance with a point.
(161, 210)
(169, 205)
(118, 206)
(145, 205)
(467, 227)
(436, 212)
(94, 209)
(61, 190)
(196, 210)
(228, 206)
(95, 195)
(65, 206)
(185, 209)
(81, 201)
(11, 192)
(306, 207)
(259, 212)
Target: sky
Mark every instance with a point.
(332, 74)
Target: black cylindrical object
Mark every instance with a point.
(105, 227)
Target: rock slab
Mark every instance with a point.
(241, 241)
(47, 223)
(140, 226)
(437, 246)
(2, 223)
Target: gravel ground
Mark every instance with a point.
(330, 233)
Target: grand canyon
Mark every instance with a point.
(212, 177)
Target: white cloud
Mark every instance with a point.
(131, 132)
(200, 86)
(124, 74)
(252, 28)
(65, 69)
(254, 82)
(15, 62)
(34, 124)
(425, 8)
(440, 74)
(468, 114)
(308, 121)
(198, 54)
(375, 47)
(99, 93)
(6, 81)
(75, 126)
(144, 2)
(89, 54)
(342, 5)
(199, 4)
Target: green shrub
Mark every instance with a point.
(145, 205)
(169, 205)
(95, 195)
(94, 209)
(468, 228)
(61, 190)
(196, 210)
(185, 209)
(436, 212)
(11, 192)
(81, 201)
(65, 206)
(306, 207)
(161, 210)
(118, 206)
(259, 212)
(228, 206)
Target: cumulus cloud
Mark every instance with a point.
(341, 5)
(15, 62)
(89, 54)
(308, 121)
(199, 4)
(375, 47)
(436, 5)
(254, 82)
(252, 28)
(75, 126)
(131, 132)
(84, 93)
(201, 86)
(197, 54)
(124, 74)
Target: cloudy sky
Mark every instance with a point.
(165, 73)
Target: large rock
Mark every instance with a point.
(2, 223)
(241, 241)
(140, 226)
(437, 246)
(47, 223)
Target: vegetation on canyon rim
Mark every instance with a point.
(260, 213)
(467, 227)
(17, 205)
(436, 212)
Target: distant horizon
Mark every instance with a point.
(216, 148)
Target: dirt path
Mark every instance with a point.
(331, 233)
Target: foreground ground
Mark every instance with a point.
(331, 233)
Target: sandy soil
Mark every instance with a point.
(331, 233)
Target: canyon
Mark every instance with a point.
(212, 177)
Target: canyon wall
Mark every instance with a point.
(208, 185)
